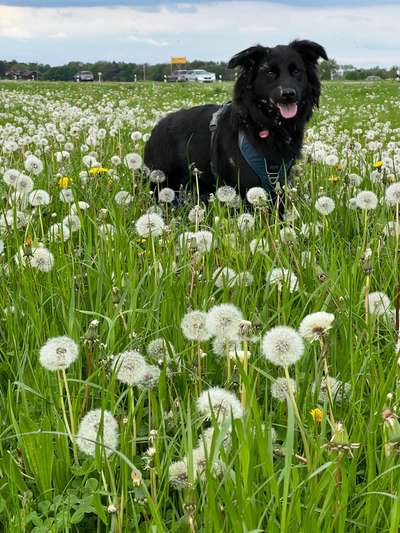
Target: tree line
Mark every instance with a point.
(121, 71)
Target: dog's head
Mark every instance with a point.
(282, 82)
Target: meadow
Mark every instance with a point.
(196, 368)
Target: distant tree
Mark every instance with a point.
(327, 68)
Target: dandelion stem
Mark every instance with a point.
(245, 370)
(297, 414)
(62, 378)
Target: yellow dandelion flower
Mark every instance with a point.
(63, 182)
(28, 240)
(334, 179)
(378, 164)
(97, 170)
(317, 415)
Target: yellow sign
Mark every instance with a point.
(178, 60)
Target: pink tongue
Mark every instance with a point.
(263, 134)
(288, 110)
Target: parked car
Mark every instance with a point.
(200, 75)
(84, 75)
(177, 76)
(373, 78)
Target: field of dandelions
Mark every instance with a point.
(171, 366)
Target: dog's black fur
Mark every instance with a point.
(281, 75)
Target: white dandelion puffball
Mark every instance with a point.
(257, 196)
(340, 390)
(391, 228)
(133, 161)
(58, 232)
(66, 196)
(315, 325)
(123, 198)
(42, 259)
(331, 160)
(224, 277)
(366, 200)
(178, 475)
(282, 346)
(245, 222)
(196, 214)
(224, 321)
(392, 194)
(161, 349)
(204, 241)
(33, 165)
(157, 176)
(10, 176)
(130, 367)
(225, 194)
(106, 231)
(378, 303)
(73, 222)
(24, 184)
(279, 388)
(325, 205)
(150, 224)
(259, 245)
(355, 180)
(224, 347)
(151, 377)
(39, 197)
(79, 206)
(58, 353)
(219, 403)
(98, 427)
(282, 277)
(194, 326)
(166, 195)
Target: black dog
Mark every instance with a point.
(252, 141)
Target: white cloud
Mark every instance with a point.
(59, 35)
(147, 40)
(358, 35)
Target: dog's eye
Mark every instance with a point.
(269, 72)
(295, 71)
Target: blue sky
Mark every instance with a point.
(149, 3)
(361, 32)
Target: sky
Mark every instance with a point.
(359, 32)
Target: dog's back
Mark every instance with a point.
(181, 142)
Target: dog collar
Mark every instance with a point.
(269, 175)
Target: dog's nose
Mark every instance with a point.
(289, 93)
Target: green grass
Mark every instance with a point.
(265, 484)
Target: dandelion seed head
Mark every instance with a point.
(224, 320)
(282, 346)
(378, 303)
(225, 194)
(150, 224)
(194, 326)
(366, 200)
(315, 325)
(279, 388)
(100, 427)
(130, 367)
(325, 205)
(58, 353)
(219, 403)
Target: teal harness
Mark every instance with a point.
(269, 175)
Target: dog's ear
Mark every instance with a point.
(309, 51)
(249, 57)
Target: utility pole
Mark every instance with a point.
(144, 71)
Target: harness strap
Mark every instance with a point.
(213, 129)
(270, 175)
